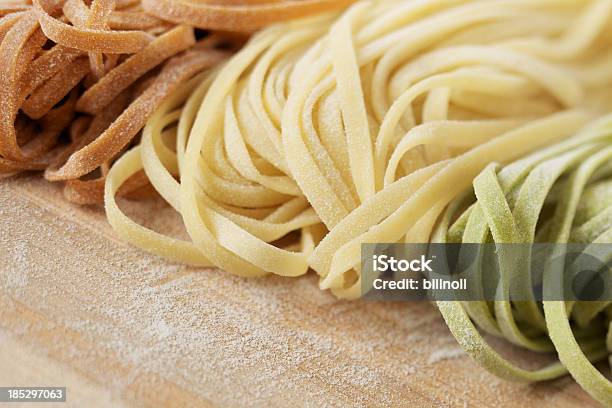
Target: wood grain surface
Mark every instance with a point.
(119, 327)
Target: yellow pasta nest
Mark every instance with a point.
(341, 129)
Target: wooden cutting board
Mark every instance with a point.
(119, 327)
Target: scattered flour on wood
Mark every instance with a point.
(445, 354)
(135, 322)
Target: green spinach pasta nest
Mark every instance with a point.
(572, 177)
